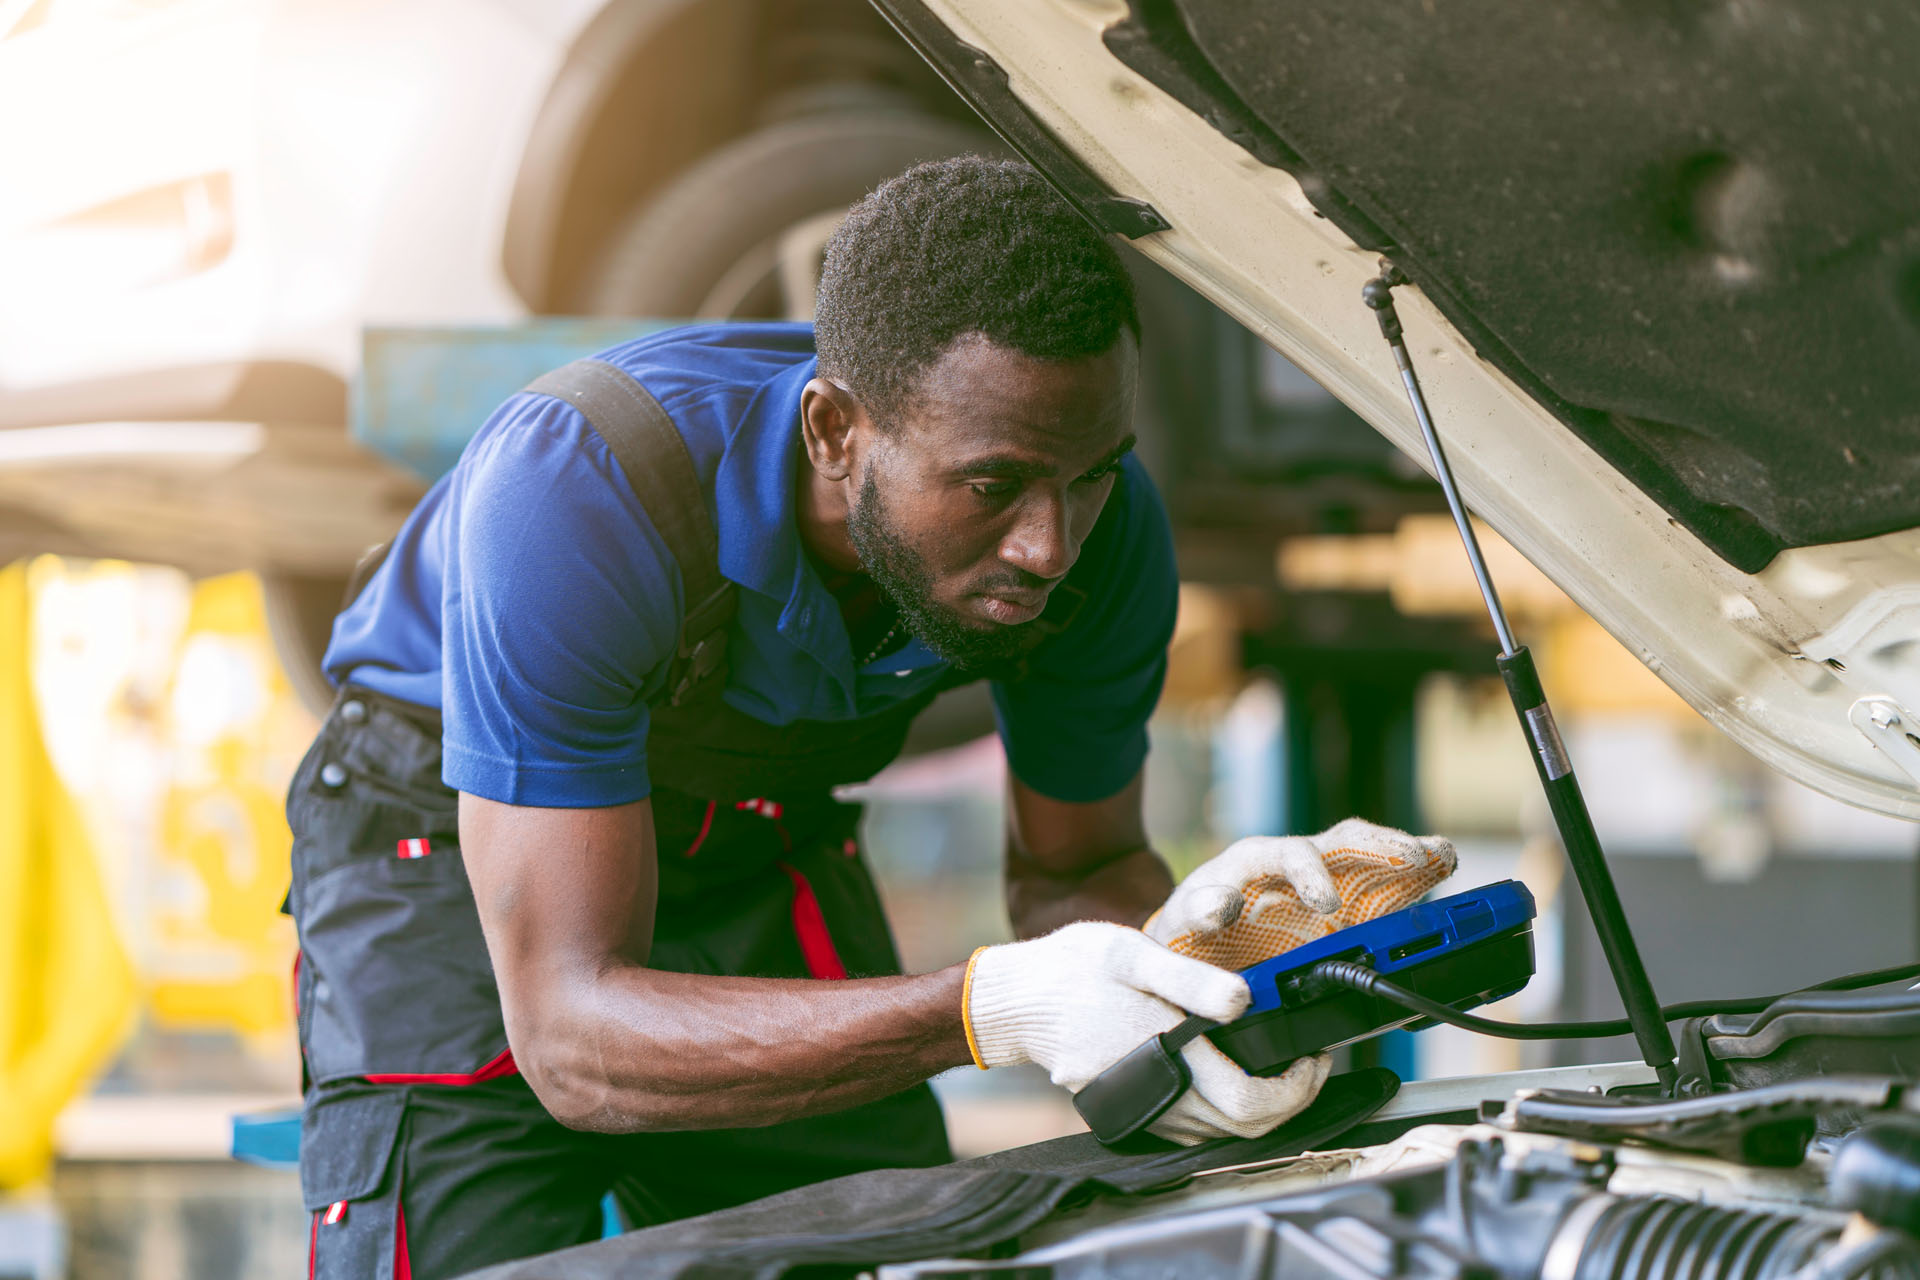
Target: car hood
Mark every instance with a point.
(1666, 290)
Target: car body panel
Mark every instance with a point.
(209, 200)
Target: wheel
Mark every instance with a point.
(300, 611)
(741, 234)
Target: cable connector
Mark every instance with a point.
(1347, 973)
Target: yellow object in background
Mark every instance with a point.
(66, 985)
(170, 722)
(1425, 570)
(221, 952)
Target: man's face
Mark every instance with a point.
(972, 506)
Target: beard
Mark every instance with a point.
(902, 574)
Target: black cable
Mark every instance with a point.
(1754, 1004)
(1346, 973)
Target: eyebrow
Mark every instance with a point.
(1021, 469)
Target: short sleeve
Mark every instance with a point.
(1075, 727)
(559, 608)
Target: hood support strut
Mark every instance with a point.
(1549, 753)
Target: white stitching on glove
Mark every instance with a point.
(1267, 894)
(1081, 998)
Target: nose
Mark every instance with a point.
(1041, 541)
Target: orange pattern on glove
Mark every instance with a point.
(1370, 882)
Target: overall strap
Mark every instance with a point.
(650, 450)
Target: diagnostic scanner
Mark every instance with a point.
(1461, 950)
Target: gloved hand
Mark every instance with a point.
(1268, 894)
(1081, 998)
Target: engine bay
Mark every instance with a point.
(1566, 1183)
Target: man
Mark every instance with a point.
(564, 931)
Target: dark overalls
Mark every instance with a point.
(423, 1152)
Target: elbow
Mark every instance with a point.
(561, 1060)
(565, 1073)
(574, 1097)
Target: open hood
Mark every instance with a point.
(1667, 304)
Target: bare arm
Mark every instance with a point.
(566, 898)
(1068, 862)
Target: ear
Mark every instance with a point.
(831, 423)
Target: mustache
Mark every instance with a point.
(1015, 580)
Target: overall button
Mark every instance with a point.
(353, 712)
(333, 774)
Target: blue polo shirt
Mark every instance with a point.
(530, 599)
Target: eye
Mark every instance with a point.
(1100, 473)
(994, 490)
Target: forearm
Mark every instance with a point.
(1125, 888)
(567, 899)
(643, 1049)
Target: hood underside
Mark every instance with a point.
(1691, 231)
(1668, 267)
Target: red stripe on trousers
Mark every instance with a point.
(706, 825)
(810, 927)
(402, 1263)
(313, 1247)
(502, 1065)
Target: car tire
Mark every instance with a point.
(300, 612)
(691, 253)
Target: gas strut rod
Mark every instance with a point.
(1536, 718)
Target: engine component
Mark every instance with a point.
(1659, 1236)
(1876, 1173)
(1490, 1213)
(1767, 1126)
(1807, 1034)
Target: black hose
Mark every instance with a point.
(1346, 973)
(1662, 1238)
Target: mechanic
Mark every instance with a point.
(564, 932)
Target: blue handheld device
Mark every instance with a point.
(1461, 950)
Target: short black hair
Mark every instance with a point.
(958, 247)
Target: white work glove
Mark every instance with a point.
(1267, 894)
(1081, 998)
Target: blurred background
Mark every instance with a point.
(266, 264)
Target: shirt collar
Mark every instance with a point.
(758, 523)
